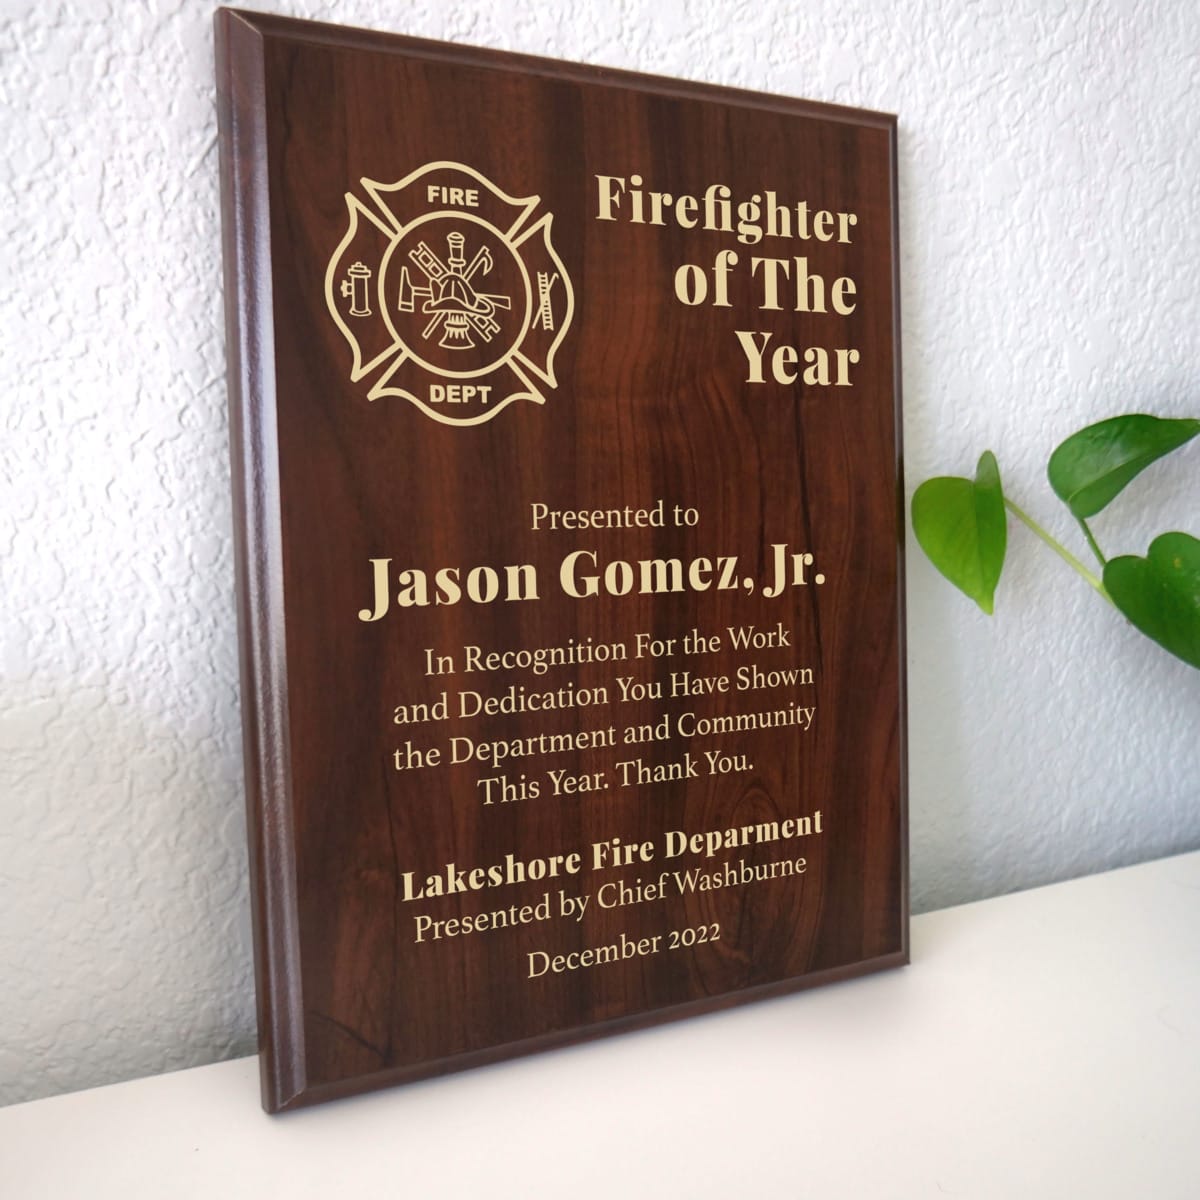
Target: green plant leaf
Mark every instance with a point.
(960, 524)
(1094, 465)
(1160, 593)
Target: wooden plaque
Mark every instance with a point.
(565, 435)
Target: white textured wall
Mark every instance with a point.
(1050, 209)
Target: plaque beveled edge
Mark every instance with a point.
(579, 1035)
(379, 41)
(245, 210)
(903, 881)
(258, 555)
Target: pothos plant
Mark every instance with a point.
(962, 526)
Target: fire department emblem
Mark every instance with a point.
(450, 293)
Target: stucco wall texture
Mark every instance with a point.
(1050, 250)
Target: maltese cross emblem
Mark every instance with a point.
(450, 293)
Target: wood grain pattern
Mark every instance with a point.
(652, 402)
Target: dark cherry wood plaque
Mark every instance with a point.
(566, 455)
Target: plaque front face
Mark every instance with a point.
(565, 436)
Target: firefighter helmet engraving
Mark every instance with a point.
(466, 302)
(458, 309)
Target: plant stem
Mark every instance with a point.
(1087, 533)
(1057, 547)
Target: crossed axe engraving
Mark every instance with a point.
(449, 297)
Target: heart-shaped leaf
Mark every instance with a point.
(1094, 465)
(1160, 593)
(960, 524)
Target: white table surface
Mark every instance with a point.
(1045, 1044)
